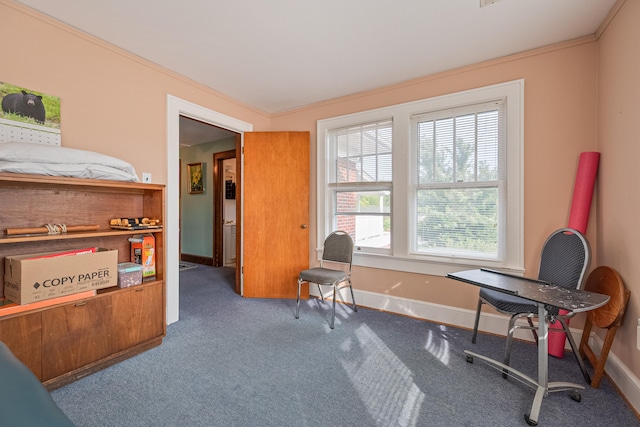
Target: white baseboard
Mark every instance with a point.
(623, 378)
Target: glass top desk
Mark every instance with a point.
(543, 294)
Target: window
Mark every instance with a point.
(458, 185)
(360, 175)
(428, 186)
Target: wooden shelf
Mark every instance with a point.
(65, 236)
(94, 331)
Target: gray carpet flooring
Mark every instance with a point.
(232, 361)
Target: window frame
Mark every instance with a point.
(401, 257)
(360, 183)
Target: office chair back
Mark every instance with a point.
(565, 259)
(338, 247)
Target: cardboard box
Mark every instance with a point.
(143, 252)
(129, 274)
(38, 277)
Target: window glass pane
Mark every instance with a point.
(341, 146)
(444, 151)
(461, 220)
(384, 168)
(488, 138)
(465, 148)
(377, 201)
(361, 153)
(369, 169)
(354, 144)
(426, 146)
(371, 231)
(458, 149)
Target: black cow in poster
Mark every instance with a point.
(24, 104)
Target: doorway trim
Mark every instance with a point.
(177, 107)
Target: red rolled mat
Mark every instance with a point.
(578, 220)
(583, 191)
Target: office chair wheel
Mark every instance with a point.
(529, 420)
(469, 358)
(575, 395)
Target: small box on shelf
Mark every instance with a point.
(129, 274)
(143, 252)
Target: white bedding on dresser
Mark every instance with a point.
(20, 157)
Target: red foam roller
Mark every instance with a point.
(578, 220)
(583, 190)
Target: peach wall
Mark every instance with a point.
(111, 102)
(560, 122)
(619, 175)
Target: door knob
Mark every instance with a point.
(303, 226)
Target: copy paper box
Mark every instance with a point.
(38, 277)
(143, 252)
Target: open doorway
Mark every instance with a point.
(205, 207)
(176, 108)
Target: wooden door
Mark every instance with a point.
(275, 213)
(23, 335)
(75, 335)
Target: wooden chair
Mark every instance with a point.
(603, 280)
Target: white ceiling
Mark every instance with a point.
(193, 132)
(276, 55)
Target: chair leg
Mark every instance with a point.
(576, 351)
(586, 332)
(355, 307)
(475, 325)
(507, 352)
(298, 300)
(533, 330)
(604, 353)
(320, 291)
(333, 314)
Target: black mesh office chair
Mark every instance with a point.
(564, 261)
(338, 247)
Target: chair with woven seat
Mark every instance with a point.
(564, 261)
(603, 280)
(338, 248)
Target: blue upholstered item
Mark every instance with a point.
(24, 402)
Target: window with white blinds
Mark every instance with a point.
(458, 185)
(430, 186)
(360, 174)
(361, 153)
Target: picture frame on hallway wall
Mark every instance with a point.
(195, 172)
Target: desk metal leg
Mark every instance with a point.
(542, 386)
(543, 367)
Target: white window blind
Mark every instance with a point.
(361, 153)
(459, 181)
